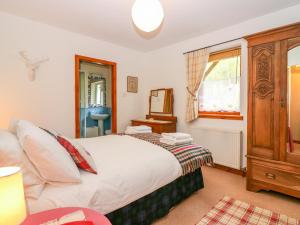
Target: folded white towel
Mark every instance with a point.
(140, 128)
(176, 142)
(176, 136)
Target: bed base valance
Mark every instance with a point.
(157, 204)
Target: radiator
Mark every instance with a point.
(225, 145)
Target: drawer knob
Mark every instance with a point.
(270, 176)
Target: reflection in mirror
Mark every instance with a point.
(157, 101)
(293, 100)
(161, 102)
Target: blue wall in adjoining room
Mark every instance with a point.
(85, 113)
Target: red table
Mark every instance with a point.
(42, 217)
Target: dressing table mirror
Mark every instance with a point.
(161, 102)
(160, 117)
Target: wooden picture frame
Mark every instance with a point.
(132, 84)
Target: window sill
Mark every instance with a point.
(221, 115)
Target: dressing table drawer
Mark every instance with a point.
(157, 127)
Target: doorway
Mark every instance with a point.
(95, 97)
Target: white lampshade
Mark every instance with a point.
(12, 200)
(147, 15)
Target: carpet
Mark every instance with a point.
(235, 212)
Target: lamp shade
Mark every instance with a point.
(12, 200)
(147, 15)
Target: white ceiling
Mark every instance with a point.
(110, 20)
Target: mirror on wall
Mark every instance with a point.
(161, 102)
(293, 102)
(96, 90)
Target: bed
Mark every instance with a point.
(139, 168)
(133, 179)
(144, 182)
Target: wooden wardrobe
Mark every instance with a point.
(272, 161)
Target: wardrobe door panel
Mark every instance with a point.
(263, 124)
(263, 96)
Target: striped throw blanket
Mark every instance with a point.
(190, 156)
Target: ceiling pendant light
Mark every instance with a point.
(147, 15)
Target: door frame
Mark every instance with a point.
(78, 59)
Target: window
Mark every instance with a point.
(99, 94)
(219, 94)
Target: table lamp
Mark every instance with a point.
(12, 200)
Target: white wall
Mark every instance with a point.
(166, 66)
(49, 100)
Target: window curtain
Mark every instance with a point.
(196, 64)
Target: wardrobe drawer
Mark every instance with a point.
(275, 176)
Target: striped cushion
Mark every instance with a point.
(81, 157)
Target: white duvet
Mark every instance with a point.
(128, 169)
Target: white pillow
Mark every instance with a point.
(11, 154)
(49, 157)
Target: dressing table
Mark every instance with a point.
(160, 117)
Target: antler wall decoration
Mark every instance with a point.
(31, 66)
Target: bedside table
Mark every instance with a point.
(42, 217)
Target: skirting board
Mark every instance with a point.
(241, 172)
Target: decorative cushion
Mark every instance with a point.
(12, 154)
(80, 155)
(48, 156)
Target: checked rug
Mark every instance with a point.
(235, 212)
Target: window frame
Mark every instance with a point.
(234, 115)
